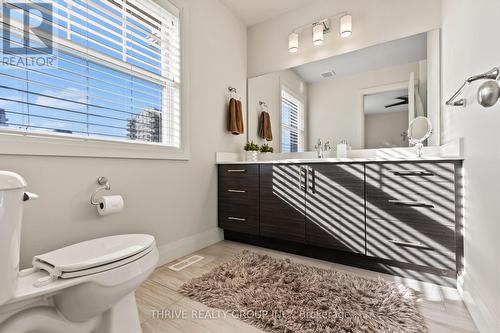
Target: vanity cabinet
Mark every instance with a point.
(282, 202)
(335, 206)
(369, 214)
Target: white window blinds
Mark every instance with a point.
(116, 74)
(292, 123)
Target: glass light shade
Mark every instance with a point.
(345, 26)
(318, 34)
(293, 42)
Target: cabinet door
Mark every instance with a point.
(282, 202)
(335, 207)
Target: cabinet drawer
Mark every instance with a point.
(411, 242)
(239, 205)
(238, 176)
(423, 192)
(400, 173)
(239, 195)
(244, 220)
(410, 207)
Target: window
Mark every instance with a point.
(116, 74)
(292, 123)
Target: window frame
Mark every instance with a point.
(301, 133)
(21, 142)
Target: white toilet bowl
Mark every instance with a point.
(83, 288)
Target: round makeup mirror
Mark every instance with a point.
(420, 129)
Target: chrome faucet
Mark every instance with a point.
(321, 148)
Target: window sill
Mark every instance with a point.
(21, 143)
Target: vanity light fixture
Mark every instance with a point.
(293, 42)
(319, 29)
(345, 25)
(318, 33)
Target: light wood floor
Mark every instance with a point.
(163, 310)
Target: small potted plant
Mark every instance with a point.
(251, 151)
(265, 148)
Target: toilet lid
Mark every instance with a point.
(93, 253)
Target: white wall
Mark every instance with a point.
(176, 201)
(267, 88)
(335, 106)
(374, 22)
(468, 49)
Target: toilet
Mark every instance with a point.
(82, 288)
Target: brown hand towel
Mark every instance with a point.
(265, 131)
(235, 117)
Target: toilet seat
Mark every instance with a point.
(93, 256)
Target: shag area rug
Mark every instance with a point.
(278, 295)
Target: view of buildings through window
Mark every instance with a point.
(117, 74)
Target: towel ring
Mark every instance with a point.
(493, 74)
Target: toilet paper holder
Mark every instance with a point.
(104, 182)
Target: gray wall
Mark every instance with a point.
(171, 200)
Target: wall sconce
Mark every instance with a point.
(293, 42)
(345, 25)
(319, 29)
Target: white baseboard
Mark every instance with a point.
(485, 320)
(185, 246)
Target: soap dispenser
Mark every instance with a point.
(342, 148)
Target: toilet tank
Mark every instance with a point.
(11, 210)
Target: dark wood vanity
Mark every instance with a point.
(399, 217)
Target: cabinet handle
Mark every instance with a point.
(313, 181)
(303, 187)
(409, 244)
(236, 191)
(412, 173)
(411, 203)
(236, 170)
(239, 219)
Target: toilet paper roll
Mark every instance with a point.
(110, 204)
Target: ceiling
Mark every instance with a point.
(375, 104)
(393, 53)
(255, 11)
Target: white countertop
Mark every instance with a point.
(346, 160)
(449, 152)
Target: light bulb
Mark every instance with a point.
(318, 34)
(293, 42)
(345, 26)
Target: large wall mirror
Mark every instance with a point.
(366, 97)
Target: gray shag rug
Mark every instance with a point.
(278, 295)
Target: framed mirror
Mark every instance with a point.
(367, 97)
